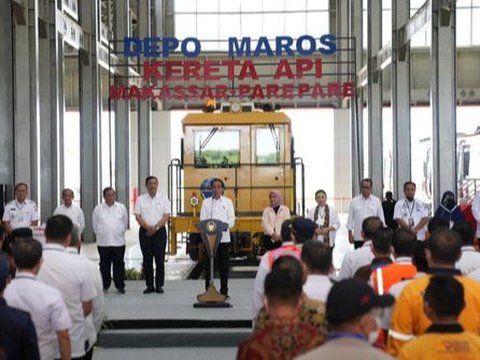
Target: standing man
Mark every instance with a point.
(43, 302)
(18, 338)
(152, 212)
(67, 274)
(71, 210)
(109, 222)
(220, 208)
(21, 212)
(361, 207)
(388, 206)
(411, 213)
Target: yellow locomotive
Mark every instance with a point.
(252, 151)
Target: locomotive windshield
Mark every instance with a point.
(268, 145)
(217, 148)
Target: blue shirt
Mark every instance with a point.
(18, 339)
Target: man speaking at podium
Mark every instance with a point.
(219, 207)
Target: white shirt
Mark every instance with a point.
(476, 212)
(271, 222)
(152, 209)
(67, 273)
(74, 213)
(416, 210)
(21, 214)
(46, 307)
(317, 287)
(93, 322)
(469, 261)
(333, 221)
(219, 209)
(360, 209)
(110, 223)
(355, 259)
(475, 275)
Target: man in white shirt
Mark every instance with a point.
(67, 274)
(317, 260)
(476, 213)
(71, 210)
(220, 208)
(411, 213)
(354, 260)
(109, 222)
(470, 259)
(44, 303)
(361, 207)
(152, 211)
(93, 322)
(21, 212)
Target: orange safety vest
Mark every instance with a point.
(290, 250)
(384, 277)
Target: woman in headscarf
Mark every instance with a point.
(325, 218)
(449, 209)
(272, 219)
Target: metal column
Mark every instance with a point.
(122, 108)
(51, 112)
(443, 97)
(144, 107)
(90, 104)
(374, 88)
(344, 125)
(356, 29)
(402, 169)
(33, 86)
(6, 94)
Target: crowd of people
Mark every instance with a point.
(409, 289)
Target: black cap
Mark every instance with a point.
(352, 298)
(303, 229)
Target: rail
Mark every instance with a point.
(468, 189)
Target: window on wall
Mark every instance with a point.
(213, 21)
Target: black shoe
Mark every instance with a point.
(121, 291)
(226, 296)
(148, 290)
(159, 290)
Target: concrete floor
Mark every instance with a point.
(206, 353)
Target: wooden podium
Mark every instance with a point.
(211, 232)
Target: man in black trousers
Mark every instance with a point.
(152, 211)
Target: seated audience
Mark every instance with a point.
(443, 302)
(301, 230)
(284, 337)
(408, 320)
(44, 303)
(403, 241)
(362, 256)
(317, 260)
(353, 311)
(381, 249)
(18, 339)
(312, 311)
(470, 259)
